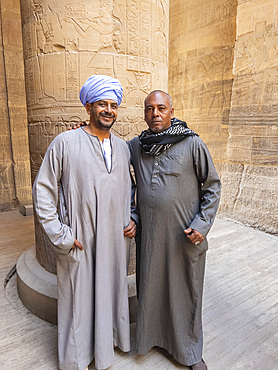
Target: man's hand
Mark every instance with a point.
(130, 230)
(78, 245)
(77, 125)
(194, 236)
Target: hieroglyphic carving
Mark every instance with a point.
(119, 26)
(104, 23)
(145, 21)
(210, 13)
(44, 30)
(99, 63)
(159, 76)
(160, 38)
(99, 28)
(14, 156)
(201, 62)
(129, 126)
(28, 51)
(133, 27)
(67, 41)
(253, 130)
(255, 87)
(7, 189)
(41, 133)
(72, 76)
(120, 64)
(139, 85)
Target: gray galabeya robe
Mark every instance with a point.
(94, 208)
(175, 190)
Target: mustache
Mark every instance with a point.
(107, 115)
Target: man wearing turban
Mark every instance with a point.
(89, 170)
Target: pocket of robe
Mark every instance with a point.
(72, 256)
(172, 165)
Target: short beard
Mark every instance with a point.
(106, 126)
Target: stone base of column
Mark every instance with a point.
(26, 209)
(37, 288)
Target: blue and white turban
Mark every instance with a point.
(99, 87)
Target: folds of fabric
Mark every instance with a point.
(94, 209)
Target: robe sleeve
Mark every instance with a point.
(45, 197)
(134, 214)
(210, 188)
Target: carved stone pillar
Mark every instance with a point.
(7, 190)
(66, 42)
(15, 183)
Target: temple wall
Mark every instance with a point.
(15, 177)
(65, 43)
(222, 77)
(201, 53)
(223, 80)
(250, 178)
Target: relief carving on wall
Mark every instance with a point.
(65, 42)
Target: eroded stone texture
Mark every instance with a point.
(202, 37)
(230, 98)
(65, 43)
(253, 126)
(249, 195)
(7, 191)
(254, 106)
(14, 160)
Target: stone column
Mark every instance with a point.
(7, 190)
(15, 179)
(66, 42)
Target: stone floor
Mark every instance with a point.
(240, 305)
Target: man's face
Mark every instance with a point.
(103, 113)
(158, 112)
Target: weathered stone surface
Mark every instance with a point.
(7, 191)
(253, 127)
(254, 104)
(249, 195)
(65, 43)
(14, 152)
(202, 37)
(223, 79)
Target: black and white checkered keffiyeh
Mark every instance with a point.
(155, 144)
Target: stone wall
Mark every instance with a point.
(15, 177)
(201, 49)
(222, 77)
(250, 177)
(223, 80)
